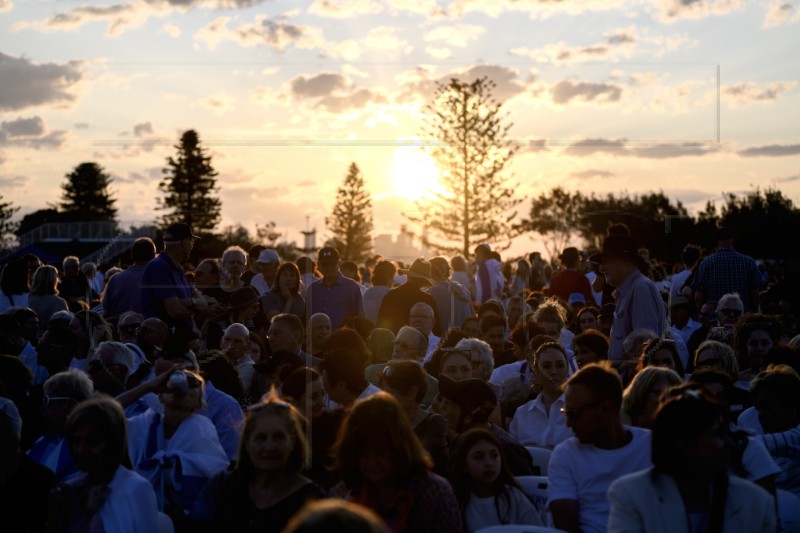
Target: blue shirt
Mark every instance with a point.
(123, 292)
(163, 279)
(338, 300)
(728, 271)
(638, 306)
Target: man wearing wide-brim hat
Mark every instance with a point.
(638, 302)
(396, 305)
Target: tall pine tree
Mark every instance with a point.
(86, 196)
(7, 227)
(351, 221)
(471, 151)
(189, 187)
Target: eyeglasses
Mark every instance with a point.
(731, 312)
(422, 316)
(576, 412)
(129, 328)
(47, 400)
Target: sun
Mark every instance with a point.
(414, 173)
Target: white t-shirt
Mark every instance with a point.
(533, 425)
(583, 472)
(481, 512)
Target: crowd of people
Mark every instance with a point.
(253, 393)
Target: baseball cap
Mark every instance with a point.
(178, 232)
(576, 298)
(268, 256)
(328, 254)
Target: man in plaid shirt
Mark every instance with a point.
(727, 271)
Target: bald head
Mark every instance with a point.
(153, 332)
(318, 331)
(236, 341)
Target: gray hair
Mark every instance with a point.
(128, 314)
(730, 297)
(423, 340)
(234, 249)
(638, 336)
(72, 383)
(63, 315)
(70, 260)
(120, 354)
(479, 352)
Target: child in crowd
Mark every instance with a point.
(486, 491)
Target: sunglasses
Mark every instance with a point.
(47, 400)
(129, 328)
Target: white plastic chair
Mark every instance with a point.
(788, 511)
(513, 528)
(164, 523)
(541, 458)
(535, 487)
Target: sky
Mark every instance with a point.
(693, 97)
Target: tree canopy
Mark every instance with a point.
(351, 220)
(85, 195)
(471, 149)
(190, 193)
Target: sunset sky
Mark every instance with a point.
(605, 96)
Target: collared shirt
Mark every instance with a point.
(638, 306)
(163, 279)
(688, 330)
(338, 300)
(30, 357)
(123, 292)
(728, 271)
(535, 425)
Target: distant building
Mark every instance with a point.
(401, 247)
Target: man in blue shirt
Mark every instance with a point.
(335, 295)
(638, 302)
(165, 291)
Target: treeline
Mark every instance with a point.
(765, 221)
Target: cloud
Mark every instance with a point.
(592, 173)
(81, 125)
(219, 102)
(145, 128)
(532, 146)
(622, 148)
(343, 9)
(419, 84)
(619, 43)
(779, 13)
(172, 30)
(30, 133)
(537, 9)
(319, 85)
(123, 16)
(13, 182)
(307, 183)
(745, 93)
(565, 91)
(36, 84)
(672, 10)
(439, 53)
(332, 92)
(23, 127)
(6, 5)
(788, 179)
(458, 35)
(276, 34)
(771, 150)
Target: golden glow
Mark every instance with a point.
(414, 173)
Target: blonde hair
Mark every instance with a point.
(45, 280)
